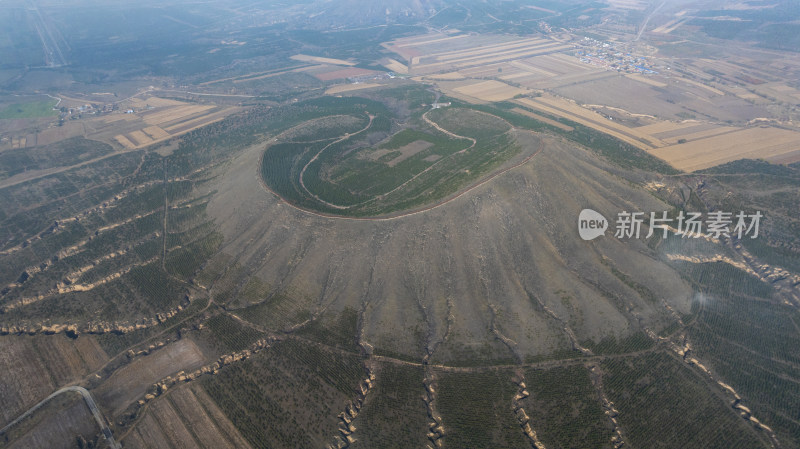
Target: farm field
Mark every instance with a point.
(28, 110)
(160, 119)
(751, 143)
(187, 416)
(60, 424)
(460, 65)
(155, 120)
(134, 380)
(36, 366)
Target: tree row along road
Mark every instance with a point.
(98, 415)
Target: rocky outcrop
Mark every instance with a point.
(93, 327)
(347, 428)
(168, 382)
(785, 282)
(436, 430)
(522, 416)
(65, 286)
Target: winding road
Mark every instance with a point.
(98, 415)
(349, 135)
(341, 139)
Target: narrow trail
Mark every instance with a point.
(316, 156)
(647, 19)
(430, 122)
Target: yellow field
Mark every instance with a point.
(596, 123)
(16, 141)
(538, 8)
(780, 91)
(664, 27)
(531, 62)
(742, 93)
(665, 126)
(570, 61)
(156, 133)
(164, 119)
(140, 137)
(117, 118)
(782, 88)
(307, 58)
(541, 49)
(125, 142)
(349, 87)
(396, 66)
(508, 56)
(172, 113)
(446, 76)
(161, 102)
(563, 108)
(670, 26)
(489, 49)
(490, 90)
(473, 69)
(260, 77)
(411, 42)
(477, 56)
(252, 76)
(765, 143)
(703, 134)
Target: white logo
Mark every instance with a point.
(591, 224)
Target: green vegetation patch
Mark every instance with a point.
(65, 153)
(417, 164)
(340, 331)
(724, 279)
(638, 341)
(616, 151)
(232, 335)
(565, 409)
(662, 403)
(752, 345)
(393, 415)
(288, 395)
(477, 410)
(34, 109)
